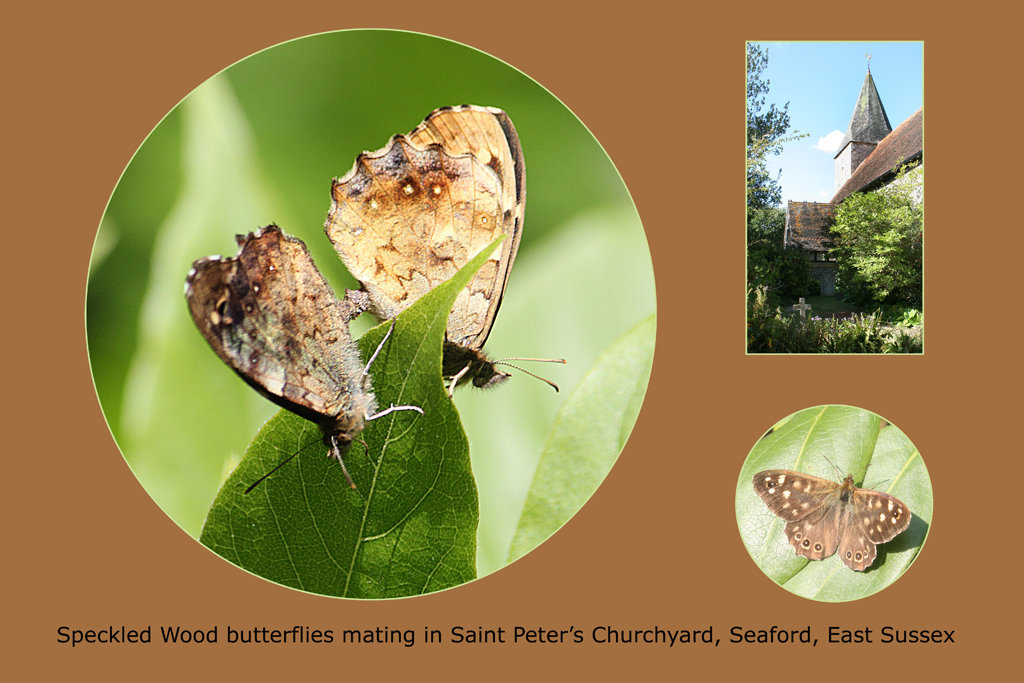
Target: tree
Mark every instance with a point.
(878, 239)
(780, 271)
(766, 133)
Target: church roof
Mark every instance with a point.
(901, 146)
(807, 225)
(869, 122)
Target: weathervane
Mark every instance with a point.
(869, 62)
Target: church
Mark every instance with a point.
(869, 157)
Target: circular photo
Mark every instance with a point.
(336, 403)
(834, 503)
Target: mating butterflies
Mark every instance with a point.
(822, 516)
(271, 316)
(409, 215)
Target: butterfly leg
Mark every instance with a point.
(392, 409)
(455, 380)
(376, 352)
(335, 452)
(366, 371)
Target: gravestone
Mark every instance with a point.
(803, 308)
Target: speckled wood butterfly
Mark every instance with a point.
(409, 215)
(270, 315)
(822, 516)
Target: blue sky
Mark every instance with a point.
(821, 82)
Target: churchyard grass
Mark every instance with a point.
(823, 306)
(770, 329)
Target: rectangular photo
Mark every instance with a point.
(835, 197)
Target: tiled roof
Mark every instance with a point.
(901, 146)
(807, 225)
(869, 122)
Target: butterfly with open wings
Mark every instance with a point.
(824, 516)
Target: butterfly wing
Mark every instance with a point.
(270, 315)
(857, 551)
(487, 134)
(815, 536)
(873, 517)
(407, 216)
(808, 506)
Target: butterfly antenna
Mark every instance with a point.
(838, 471)
(878, 485)
(276, 468)
(504, 361)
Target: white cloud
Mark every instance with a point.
(824, 194)
(830, 143)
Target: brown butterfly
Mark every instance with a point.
(271, 316)
(409, 215)
(822, 516)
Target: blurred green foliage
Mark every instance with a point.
(591, 429)
(259, 143)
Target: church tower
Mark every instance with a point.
(868, 126)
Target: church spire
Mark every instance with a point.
(869, 122)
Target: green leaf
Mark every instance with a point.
(858, 442)
(587, 437)
(410, 526)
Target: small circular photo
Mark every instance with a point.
(334, 402)
(834, 503)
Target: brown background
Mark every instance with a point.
(662, 89)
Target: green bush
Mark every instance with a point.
(901, 341)
(878, 242)
(910, 317)
(784, 272)
(860, 334)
